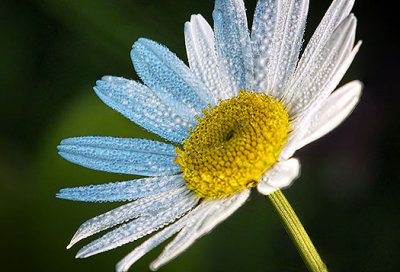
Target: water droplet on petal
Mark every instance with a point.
(217, 15)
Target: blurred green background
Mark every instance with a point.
(51, 54)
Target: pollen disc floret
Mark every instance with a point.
(233, 144)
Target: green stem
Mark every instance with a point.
(297, 232)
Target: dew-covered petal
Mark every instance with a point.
(219, 210)
(183, 236)
(140, 207)
(140, 105)
(262, 33)
(326, 71)
(276, 62)
(202, 56)
(296, 136)
(123, 190)
(331, 113)
(337, 12)
(335, 78)
(161, 236)
(232, 40)
(281, 175)
(120, 155)
(140, 227)
(169, 78)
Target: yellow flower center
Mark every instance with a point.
(233, 145)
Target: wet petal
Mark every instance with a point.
(276, 62)
(140, 105)
(325, 73)
(235, 58)
(169, 78)
(120, 155)
(123, 190)
(337, 12)
(143, 206)
(219, 210)
(202, 56)
(262, 34)
(161, 236)
(331, 113)
(139, 227)
(281, 175)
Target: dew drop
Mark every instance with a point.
(217, 15)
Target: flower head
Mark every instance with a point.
(235, 117)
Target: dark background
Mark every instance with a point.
(51, 54)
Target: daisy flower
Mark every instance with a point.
(232, 119)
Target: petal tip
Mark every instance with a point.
(81, 254)
(265, 189)
(153, 267)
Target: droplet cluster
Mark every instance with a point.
(233, 144)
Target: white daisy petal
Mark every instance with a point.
(281, 175)
(285, 42)
(182, 241)
(161, 236)
(330, 86)
(233, 45)
(123, 190)
(217, 212)
(202, 56)
(149, 244)
(337, 12)
(120, 155)
(140, 105)
(119, 215)
(332, 112)
(295, 138)
(325, 70)
(169, 78)
(139, 227)
(262, 34)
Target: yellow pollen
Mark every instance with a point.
(233, 144)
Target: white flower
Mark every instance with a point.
(285, 104)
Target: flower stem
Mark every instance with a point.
(297, 232)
